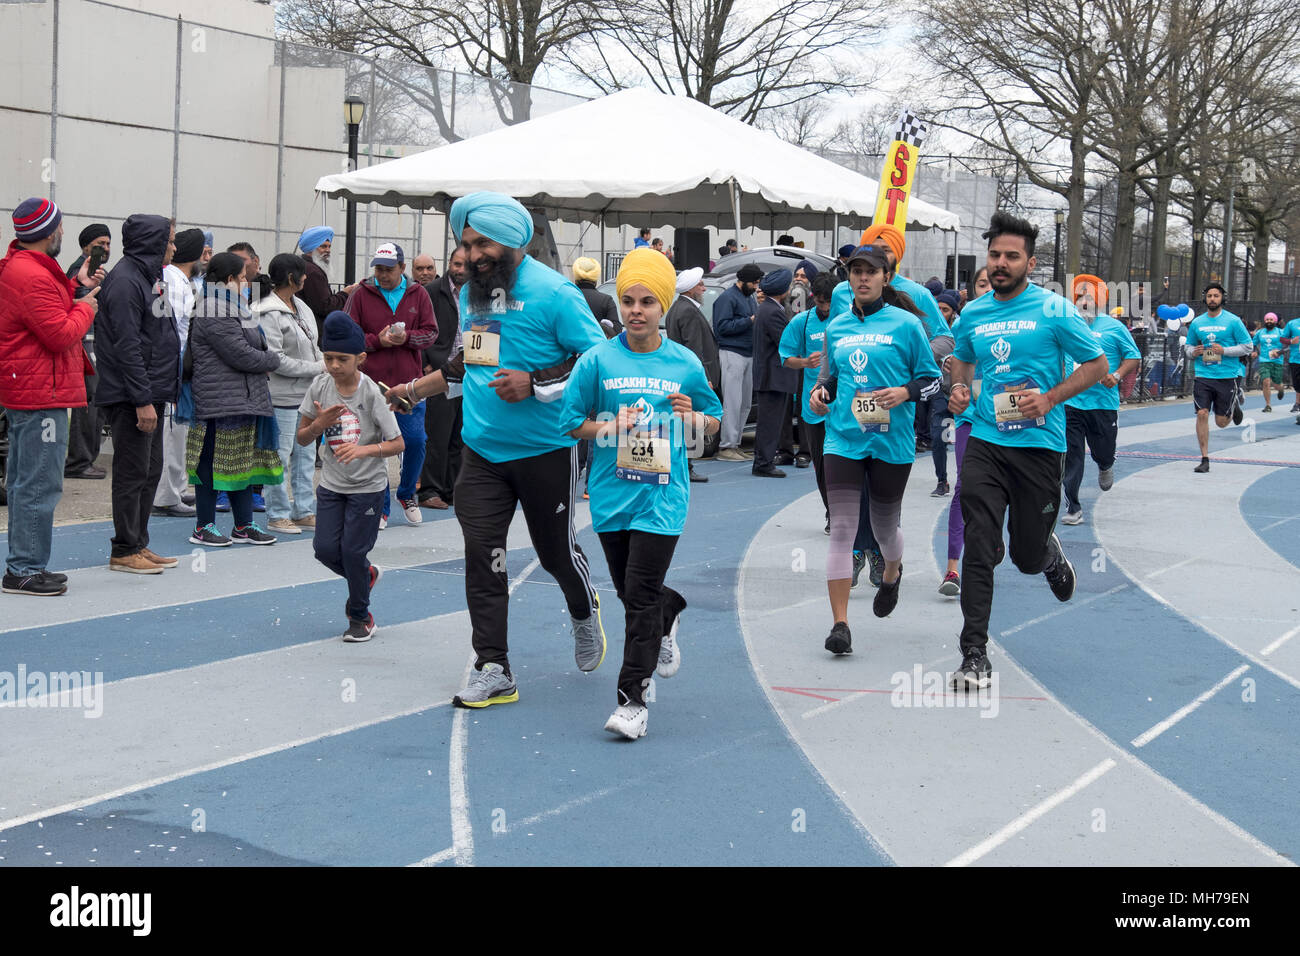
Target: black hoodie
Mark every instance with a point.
(137, 348)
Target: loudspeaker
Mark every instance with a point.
(965, 271)
(691, 249)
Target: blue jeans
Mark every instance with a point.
(38, 446)
(411, 425)
(299, 463)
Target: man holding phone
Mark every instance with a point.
(85, 432)
(397, 318)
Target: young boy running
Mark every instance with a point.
(360, 430)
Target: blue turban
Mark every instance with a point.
(207, 238)
(846, 251)
(313, 237)
(809, 268)
(496, 216)
(776, 282)
(342, 334)
(951, 297)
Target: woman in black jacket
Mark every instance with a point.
(230, 448)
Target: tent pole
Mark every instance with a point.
(835, 236)
(735, 207)
(603, 266)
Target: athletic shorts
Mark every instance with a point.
(1272, 371)
(1215, 394)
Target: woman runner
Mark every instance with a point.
(635, 395)
(877, 365)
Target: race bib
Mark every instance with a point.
(1211, 358)
(1006, 407)
(483, 343)
(870, 416)
(644, 456)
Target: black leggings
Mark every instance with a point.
(844, 479)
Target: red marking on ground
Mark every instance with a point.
(807, 692)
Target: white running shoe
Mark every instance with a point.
(383, 522)
(1072, 517)
(670, 652)
(411, 508)
(629, 720)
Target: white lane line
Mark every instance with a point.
(1145, 738)
(831, 705)
(1270, 527)
(1025, 819)
(1172, 567)
(1279, 642)
(462, 831)
(1069, 607)
(437, 858)
(216, 765)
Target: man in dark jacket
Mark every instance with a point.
(773, 381)
(397, 317)
(138, 350)
(85, 431)
(686, 325)
(586, 276)
(442, 415)
(733, 325)
(314, 244)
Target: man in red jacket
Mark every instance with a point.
(42, 369)
(397, 317)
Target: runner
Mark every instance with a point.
(522, 325)
(1093, 415)
(876, 366)
(1268, 349)
(1291, 337)
(801, 348)
(1018, 338)
(636, 396)
(1217, 339)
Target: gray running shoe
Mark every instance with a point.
(1106, 479)
(1072, 517)
(589, 640)
(486, 687)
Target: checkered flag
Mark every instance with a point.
(911, 129)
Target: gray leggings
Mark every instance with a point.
(844, 478)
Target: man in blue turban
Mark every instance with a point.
(315, 244)
(774, 382)
(522, 326)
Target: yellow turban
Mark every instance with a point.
(651, 269)
(889, 235)
(586, 268)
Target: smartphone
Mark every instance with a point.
(401, 403)
(98, 256)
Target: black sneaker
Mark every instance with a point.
(1238, 399)
(359, 632)
(877, 567)
(975, 671)
(1204, 466)
(39, 584)
(251, 534)
(828, 517)
(1296, 407)
(210, 536)
(802, 461)
(859, 562)
(783, 458)
(1059, 574)
(55, 577)
(839, 641)
(940, 490)
(887, 596)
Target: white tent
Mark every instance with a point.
(637, 157)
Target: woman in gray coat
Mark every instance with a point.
(290, 330)
(230, 446)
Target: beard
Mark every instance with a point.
(56, 247)
(484, 284)
(321, 259)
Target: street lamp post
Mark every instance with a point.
(1058, 273)
(354, 108)
(1197, 235)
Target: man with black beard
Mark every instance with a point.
(516, 316)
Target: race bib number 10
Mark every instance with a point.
(483, 343)
(644, 456)
(871, 417)
(1006, 407)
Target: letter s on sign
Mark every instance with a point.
(901, 156)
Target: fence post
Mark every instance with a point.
(279, 151)
(54, 104)
(176, 121)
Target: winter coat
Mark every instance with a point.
(291, 334)
(770, 373)
(602, 306)
(446, 313)
(732, 325)
(686, 325)
(394, 366)
(137, 348)
(316, 293)
(231, 360)
(42, 363)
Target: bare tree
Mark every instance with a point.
(744, 59)
(1267, 189)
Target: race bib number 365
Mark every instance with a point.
(483, 343)
(1006, 407)
(644, 457)
(870, 416)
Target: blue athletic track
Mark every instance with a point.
(1151, 720)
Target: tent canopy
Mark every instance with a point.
(636, 157)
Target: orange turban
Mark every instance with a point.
(1095, 286)
(892, 236)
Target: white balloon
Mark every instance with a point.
(1174, 325)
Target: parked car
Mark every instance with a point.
(769, 258)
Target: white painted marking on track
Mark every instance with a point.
(1068, 607)
(1270, 527)
(1172, 567)
(1023, 821)
(1145, 738)
(440, 857)
(216, 765)
(1279, 642)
